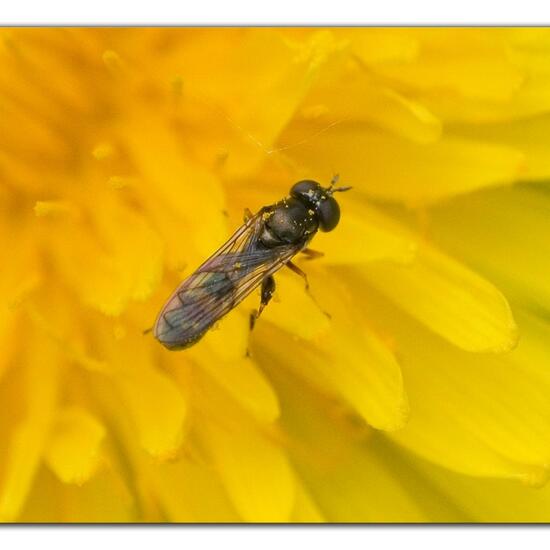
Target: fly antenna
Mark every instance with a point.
(333, 182)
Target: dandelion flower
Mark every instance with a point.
(127, 157)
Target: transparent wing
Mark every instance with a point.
(219, 284)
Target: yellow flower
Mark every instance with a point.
(127, 157)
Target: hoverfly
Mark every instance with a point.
(267, 241)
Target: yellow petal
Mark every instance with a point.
(223, 355)
(255, 105)
(466, 115)
(403, 116)
(188, 492)
(33, 56)
(291, 297)
(528, 135)
(332, 455)
(103, 499)
(488, 229)
(183, 188)
(250, 463)
(491, 500)
(158, 409)
(367, 375)
(73, 450)
(228, 340)
(24, 456)
(386, 167)
(127, 256)
(255, 473)
(19, 277)
(492, 415)
(468, 62)
(25, 134)
(450, 299)
(526, 51)
(376, 46)
(20, 174)
(24, 450)
(345, 93)
(246, 383)
(154, 401)
(348, 361)
(305, 508)
(438, 506)
(368, 235)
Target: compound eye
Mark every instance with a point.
(328, 212)
(305, 189)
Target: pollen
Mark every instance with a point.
(119, 331)
(103, 151)
(120, 182)
(177, 87)
(53, 208)
(112, 61)
(312, 112)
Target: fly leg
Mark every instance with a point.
(247, 214)
(298, 271)
(312, 254)
(267, 290)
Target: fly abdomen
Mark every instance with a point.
(185, 318)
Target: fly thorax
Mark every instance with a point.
(288, 223)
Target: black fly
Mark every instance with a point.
(266, 241)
